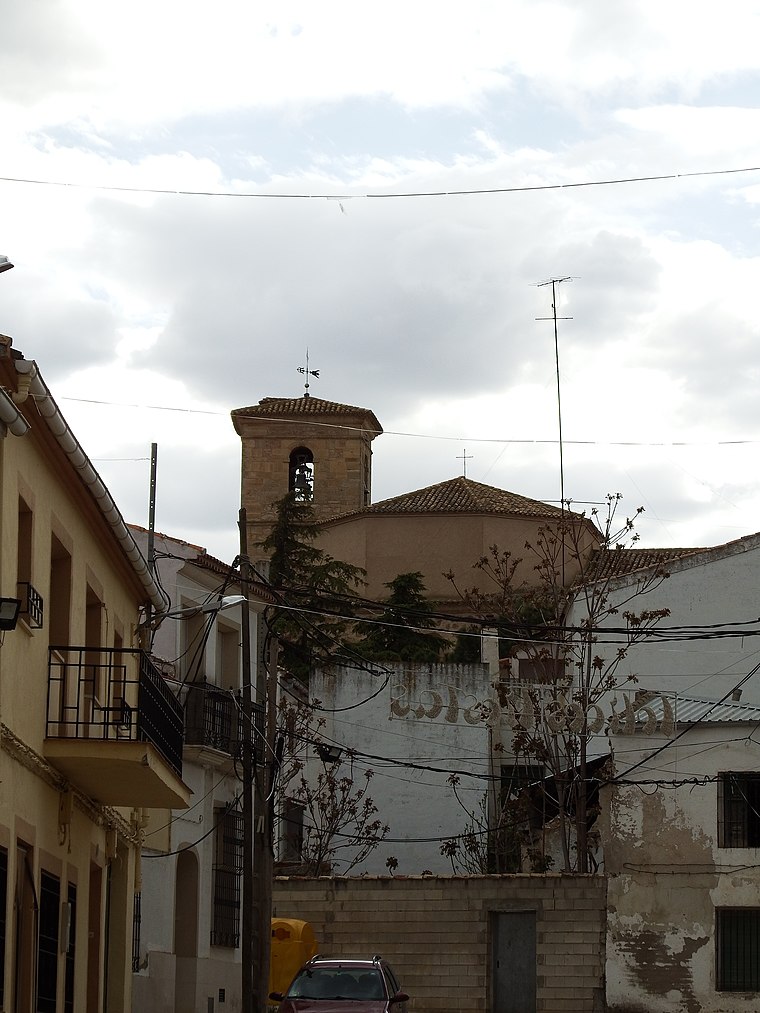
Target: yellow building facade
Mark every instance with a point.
(90, 735)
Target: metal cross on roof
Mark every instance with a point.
(464, 457)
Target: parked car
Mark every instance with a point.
(338, 985)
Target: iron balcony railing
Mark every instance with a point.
(214, 718)
(114, 694)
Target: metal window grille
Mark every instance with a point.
(228, 870)
(136, 925)
(3, 926)
(738, 949)
(739, 810)
(32, 606)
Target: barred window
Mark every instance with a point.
(738, 949)
(47, 953)
(70, 949)
(3, 927)
(228, 870)
(136, 931)
(739, 810)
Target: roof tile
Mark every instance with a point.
(306, 405)
(462, 495)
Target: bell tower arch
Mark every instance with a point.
(319, 449)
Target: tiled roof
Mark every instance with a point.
(606, 563)
(286, 406)
(462, 495)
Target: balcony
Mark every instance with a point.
(214, 720)
(113, 727)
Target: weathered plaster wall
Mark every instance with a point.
(667, 875)
(427, 716)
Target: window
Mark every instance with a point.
(739, 809)
(227, 656)
(367, 491)
(301, 474)
(59, 610)
(70, 950)
(291, 831)
(516, 776)
(228, 868)
(136, 927)
(543, 671)
(738, 949)
(31, 600)
(3, 927)
(47, 956)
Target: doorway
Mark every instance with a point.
(513, 961)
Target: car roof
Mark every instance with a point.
(321, 961)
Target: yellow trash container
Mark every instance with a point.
(293, 943)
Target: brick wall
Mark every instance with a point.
(436, 932)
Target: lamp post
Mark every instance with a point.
(5, 264)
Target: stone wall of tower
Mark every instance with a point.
(342, 467)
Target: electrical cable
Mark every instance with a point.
(223, 812)
(469, 192)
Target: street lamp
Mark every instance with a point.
(328, 753)
(217, 605)
(9, 610)
(5, 264)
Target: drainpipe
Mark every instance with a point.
(11, 417)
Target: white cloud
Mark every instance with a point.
(421, 308)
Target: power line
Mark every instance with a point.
(507, 441)
(464, 192)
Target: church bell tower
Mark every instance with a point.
(318, 449)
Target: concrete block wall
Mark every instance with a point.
(436, 932)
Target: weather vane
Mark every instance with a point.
(308, 372)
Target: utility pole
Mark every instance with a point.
(258, 858)
(247, 940)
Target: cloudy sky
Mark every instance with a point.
(194, 195)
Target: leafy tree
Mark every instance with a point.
(311, 631)
(552, 627)
(466, 650)
(405, 630)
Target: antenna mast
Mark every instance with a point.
(554, 282)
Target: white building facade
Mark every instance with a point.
(192, 872)
(678, 824)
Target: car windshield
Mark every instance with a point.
(337, 983)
